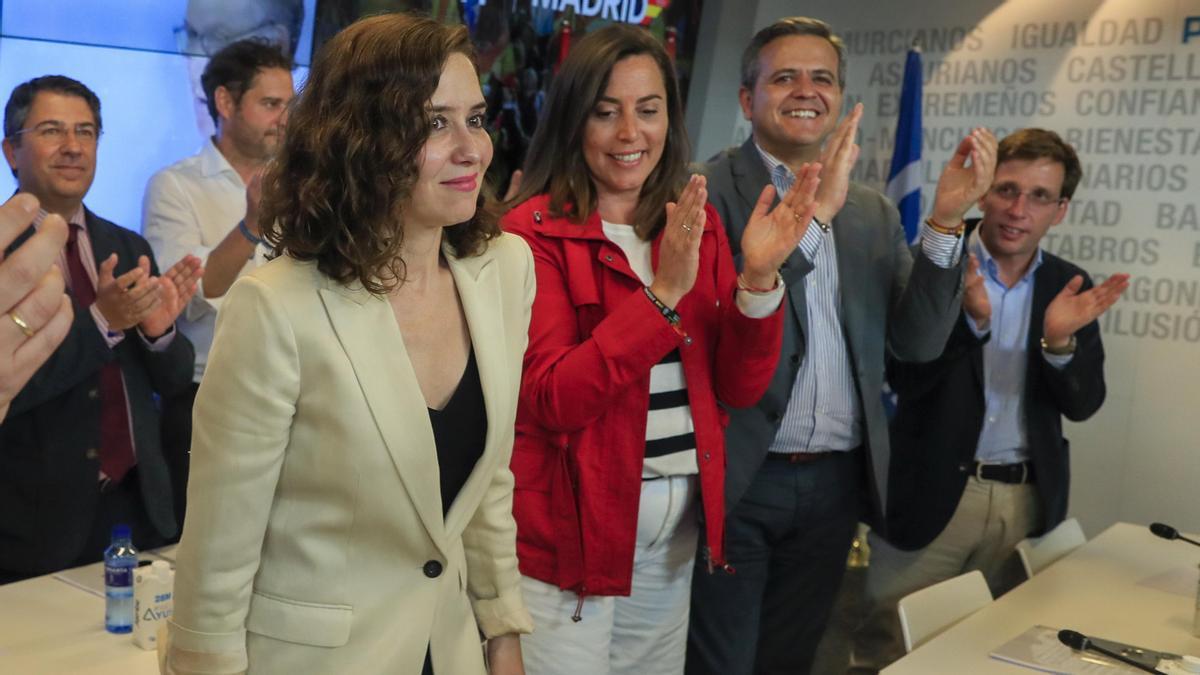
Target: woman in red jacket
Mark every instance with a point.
(640, 326)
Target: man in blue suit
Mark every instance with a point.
(80, 449)
(979, 461)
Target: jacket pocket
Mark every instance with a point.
(305, 623)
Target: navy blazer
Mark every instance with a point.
(940, 417)
(49, 464)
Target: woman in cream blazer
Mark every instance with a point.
(316, 540)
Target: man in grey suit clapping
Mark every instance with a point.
(811, 458)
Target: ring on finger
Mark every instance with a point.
(797, 216)
(21, 323)
(686, 227)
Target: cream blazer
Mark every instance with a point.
(315, 541)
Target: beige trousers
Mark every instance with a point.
(991, 518)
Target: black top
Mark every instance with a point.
(459, 431)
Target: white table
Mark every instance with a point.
(1117, 586)
(52, 627)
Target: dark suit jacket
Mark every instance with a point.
(49, 464)
(940, 416)
(889, 303)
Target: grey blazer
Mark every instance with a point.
(889, 301)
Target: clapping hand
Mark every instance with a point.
(37, 314)
(1071, 310)
(514, 186)
(253, 199)
(177, 286)
(837, 159)
(961, 185)
(679, 252)
(771, 236)
(125, 300)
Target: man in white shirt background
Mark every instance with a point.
(206, 205)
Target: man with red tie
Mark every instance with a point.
(80, 449)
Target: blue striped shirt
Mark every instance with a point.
(825, 411)
(1004, 438)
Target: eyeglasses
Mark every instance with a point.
(194, 43)
(1036, 198)
(55, 133)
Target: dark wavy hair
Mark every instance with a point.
(235, 66)
(351, 155)
(555, 163)
(1033, 144)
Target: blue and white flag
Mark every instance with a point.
(904, 179)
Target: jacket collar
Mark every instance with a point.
(562, 227)
(750, 174)
(366, 328)
(213, 163)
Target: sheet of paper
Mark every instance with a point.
(1039, 649)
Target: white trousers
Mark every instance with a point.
(643, 634)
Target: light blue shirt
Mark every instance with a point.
(824, 411)
(1004, 439)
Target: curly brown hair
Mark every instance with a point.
(337, 191)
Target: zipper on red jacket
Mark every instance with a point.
(578, 615)
(713, 565)
(687, 339)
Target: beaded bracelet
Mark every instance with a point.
(942, 229)
(744, 286)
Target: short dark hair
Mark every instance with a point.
(1033, 143)
(20, 101)
(236, 65)
(793, 25)
(351, 155)
(555, 164)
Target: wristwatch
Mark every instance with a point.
(1061, 351)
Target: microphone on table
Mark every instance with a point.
(1080, 642)
(1167, 532)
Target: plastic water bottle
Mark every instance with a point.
(120, 561)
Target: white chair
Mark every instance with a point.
(1038, 552)
(927, 612)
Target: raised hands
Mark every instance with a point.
(137, 299)
(253, 198)
(37, 314)
(178, 286)
(961, 185)
(126, 299)
(975, 298)
(1071, 310)
(679, 252)
(514, 186)
(771, 236)
(837, 159)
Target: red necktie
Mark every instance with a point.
(116, 443)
